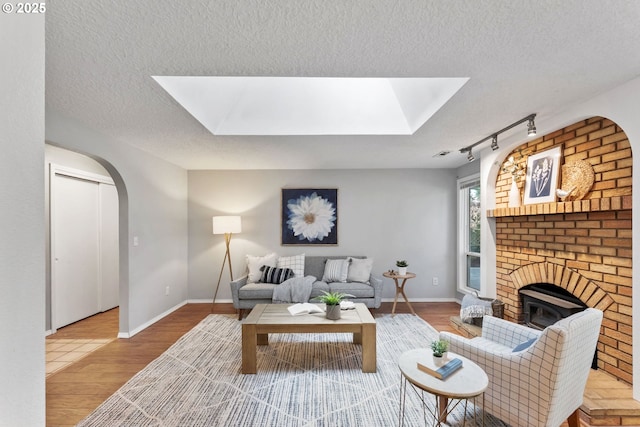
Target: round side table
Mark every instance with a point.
(400, 288)
(468, 382)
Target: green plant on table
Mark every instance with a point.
(332, 298)
(439, 347)
(402, 263)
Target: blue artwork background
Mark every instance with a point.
(545, 190)
(292, 194)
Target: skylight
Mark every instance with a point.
(310, 105)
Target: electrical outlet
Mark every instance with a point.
(434, 281)
(166, 291)
(136, 241)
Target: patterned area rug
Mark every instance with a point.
(303, 380)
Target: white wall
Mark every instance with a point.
(153, 207)
(22, 375)
(384, 214)
(621, 106)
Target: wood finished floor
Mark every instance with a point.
(74, 392)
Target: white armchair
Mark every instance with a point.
(543, 384)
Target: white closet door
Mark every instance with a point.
(109, 247)
(76, 220)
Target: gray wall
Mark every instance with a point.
(22, 393)
(468, 169)
(152, 194)
(384, 214)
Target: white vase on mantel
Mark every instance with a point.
(514, 195)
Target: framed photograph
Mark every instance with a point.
(309, 216)
(543, 170)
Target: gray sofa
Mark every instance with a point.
(247, 295)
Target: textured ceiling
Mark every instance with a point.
(522, 57)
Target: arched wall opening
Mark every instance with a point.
(58, 155)
(591, 237)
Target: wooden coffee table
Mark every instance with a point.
(267, 319)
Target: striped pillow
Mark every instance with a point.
(275, 275)
(335, 270)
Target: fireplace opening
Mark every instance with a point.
(543, 304)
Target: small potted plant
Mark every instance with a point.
(402, 267)
(439, 348)
(332, 301)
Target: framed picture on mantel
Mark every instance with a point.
(309, 216)
(543, 170)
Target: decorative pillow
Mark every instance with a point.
(335, 270)
(296, 263)
(524, 345)
(359, 270)
(254, 264)
(473, 307)
(275, 275)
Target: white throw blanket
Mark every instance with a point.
(297, 289)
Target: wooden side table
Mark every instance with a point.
(400, 288)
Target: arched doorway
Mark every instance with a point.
(83, 204)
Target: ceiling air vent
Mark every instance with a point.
(441, 154)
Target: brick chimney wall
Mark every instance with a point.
(591, 237)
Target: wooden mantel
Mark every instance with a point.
(616, 203)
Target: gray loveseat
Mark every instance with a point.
(247, 295)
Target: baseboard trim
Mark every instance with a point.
(402, 301)
(145, 325)
(209, 301)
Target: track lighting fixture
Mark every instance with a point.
(494, 142)
(531, 130)
(531, 127)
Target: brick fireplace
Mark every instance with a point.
(584, 246)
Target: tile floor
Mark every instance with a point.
(61, 353)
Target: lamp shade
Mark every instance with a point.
(227, 224)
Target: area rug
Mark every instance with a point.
(303, 380)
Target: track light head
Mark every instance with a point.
(531, 127)
(531, 131)
(494, 142)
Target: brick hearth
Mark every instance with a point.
(581, 246)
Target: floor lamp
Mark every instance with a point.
(226, 225)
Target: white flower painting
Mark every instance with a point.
(309, 216)
(540, 176)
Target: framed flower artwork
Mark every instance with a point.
(309, 216)
(543, 170)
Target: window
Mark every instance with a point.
(469, 234)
